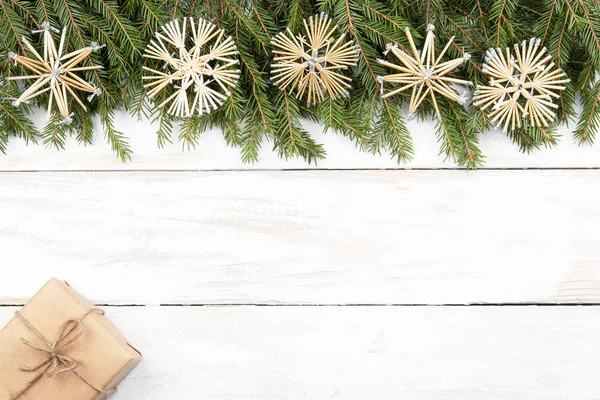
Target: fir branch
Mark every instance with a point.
(589, 120)
(521, 137)
(561, 40)
(251, 138)
(547, 20)
(291, 140)
(588, 73)
(150, 16)
(398, 140)
(16, 28)
(116, 139)
(482, 18)
(188, 133)
(295, 12)
(376, 11)
(85, 128)
(263, 18)
(54, 134)
(231, 131)
(500, 14)
(470, 154)
(258, 86)
(67, 17)
(42, 10)
(123, 32)
(15, 122)
(390, 131)
(3, 138)
(335, 115)
(249, 24)
(591, 26)
(165, 121)
(456, 22)
(257, 112)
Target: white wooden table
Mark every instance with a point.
(358, 280)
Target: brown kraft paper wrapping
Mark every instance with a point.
(95, 362)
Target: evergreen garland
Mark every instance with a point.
(259, 113)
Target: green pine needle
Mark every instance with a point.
(259, 112)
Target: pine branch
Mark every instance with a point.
(141, 106)
(42, 11)
(116, 139)
(257, 112)
(264, 19)
(521, 137)
(291, 140)
(501, 15)
(249, 24)
(589, 120)
(147, 14)
(14, 28)
(54, 134)
(397, 137)
(468, 153)
(251, 138)
(84, 127)
(338, 116)
(482, 18)
(3, 138)
(188, 133)
(462, 28)
(68, 14)
(294, 10)
(547, 20)
(258, 86)
(123, 32)
(390, 132)
(15, 122)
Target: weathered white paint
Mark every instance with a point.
(296, 240)
(426, 237)
(358, 353)
(213, 153)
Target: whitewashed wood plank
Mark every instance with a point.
(357, 353)
(332, 237)
(213, 153)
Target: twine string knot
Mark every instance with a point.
(56, 361)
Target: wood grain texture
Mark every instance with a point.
(331, 237)
(212, 152)
(357, 353)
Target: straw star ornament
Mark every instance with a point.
(423, 72)
(312, 65)
(200, 66)
(56, 73)
(522, 86)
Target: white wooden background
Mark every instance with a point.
(356, 280)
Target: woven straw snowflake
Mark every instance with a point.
(313, 64)
(423, 72)
(522, 85)
(199, 66)
(56, 73)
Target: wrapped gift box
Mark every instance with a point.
(60, 347)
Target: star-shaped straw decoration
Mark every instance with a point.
(423, 72)
(312, 64)
(205, 70)
(56, 73)
(521, 86)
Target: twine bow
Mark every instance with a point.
(56, 361)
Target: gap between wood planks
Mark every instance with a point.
(454, 305)
(303, 169)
